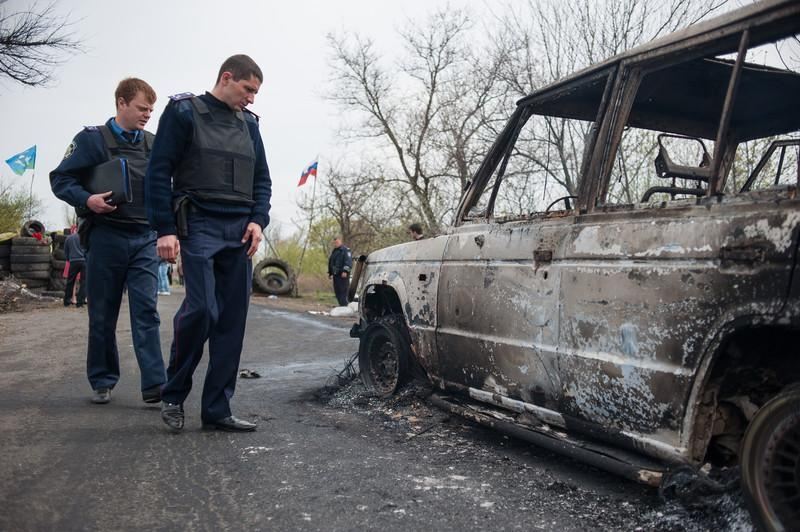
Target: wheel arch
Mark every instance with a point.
(748, 355)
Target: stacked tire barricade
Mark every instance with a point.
(273, 277)
(34, 258)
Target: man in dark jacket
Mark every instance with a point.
(74, 254)
(208, 191)
(339, 265)
(121, 247)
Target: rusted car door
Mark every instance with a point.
(498, 308)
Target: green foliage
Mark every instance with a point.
(15, 207)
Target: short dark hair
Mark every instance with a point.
(128, 88)
(415, 227)
(241, 67)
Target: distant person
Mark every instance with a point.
(163, 278)
(339, 265)
(120, 246)
(415, 230)
(75, 256)
(210, 169)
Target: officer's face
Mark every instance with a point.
(135, 114)
(238, 94)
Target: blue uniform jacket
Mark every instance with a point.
(86, 151)
(173, 140)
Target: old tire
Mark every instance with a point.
(267, 276)
(5, 251)
(58, 265)
(30, 227)
(57, 284)
(39, 258)
(25, 241)
(32, 274)
(33, 283)
(383, 354)
(770, 463)
(30, 267)
(41, 249)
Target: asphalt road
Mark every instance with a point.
(351, 464)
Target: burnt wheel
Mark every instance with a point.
(383, 354)
(771, 463)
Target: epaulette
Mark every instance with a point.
(248, 111)
(181, 96)
(90, 128)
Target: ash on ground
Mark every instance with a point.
(410, 420)
(16, 297)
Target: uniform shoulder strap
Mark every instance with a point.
(108, 140)
(200, 105)
(149, 138)
(251, 114)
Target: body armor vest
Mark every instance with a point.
(221, 160)
(138, 156)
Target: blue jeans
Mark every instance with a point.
(163, 281)
(218, 276)
(116, 258)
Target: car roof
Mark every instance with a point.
(684, 89)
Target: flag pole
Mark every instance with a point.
(308, 233)
(30, 196)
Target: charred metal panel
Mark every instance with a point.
(498, 309)
(412, 271)
(643, 297)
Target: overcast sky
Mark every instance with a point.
(178, 46)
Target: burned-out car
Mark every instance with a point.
(642, 312)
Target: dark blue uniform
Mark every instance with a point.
(217, 271)
(340, 261)
(120, 252)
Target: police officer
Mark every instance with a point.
(121, 246)
(339, 265)
(208, 190)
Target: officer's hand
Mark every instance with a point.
(253, 234)
(168, 248)
(344, 275)
(97, 203)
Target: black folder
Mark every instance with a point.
(111, 176)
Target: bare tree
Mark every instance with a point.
(547, 40)
(427, 114)
(431, 117)
(365, 209)
(33, 43)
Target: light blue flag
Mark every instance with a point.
(23, 161)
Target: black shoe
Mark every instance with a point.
(152, 395)
(230, 424)
(67, 303)
(172, 415)
(101, 396)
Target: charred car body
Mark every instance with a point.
(639, 333)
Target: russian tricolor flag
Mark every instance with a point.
(311, 170)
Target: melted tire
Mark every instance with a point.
(770, 463)
(383, 355)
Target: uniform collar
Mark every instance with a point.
(123, 134)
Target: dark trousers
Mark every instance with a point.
(341, 285)
(116, 258)
(218, 275)
(75, 269)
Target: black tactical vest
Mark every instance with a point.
(220, 163)
(138, 156)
